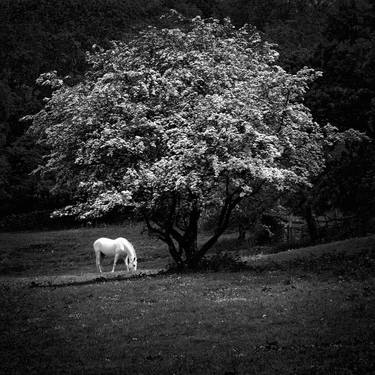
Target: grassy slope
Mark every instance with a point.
(313, 315)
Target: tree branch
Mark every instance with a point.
(223, 222)
(165, 237)
(154, 230)
(176, 254)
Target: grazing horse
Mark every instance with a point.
(118, 248)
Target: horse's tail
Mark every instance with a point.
(96, 245)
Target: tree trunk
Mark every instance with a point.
(190, 239)
(311, 224)
(176, 255)
(241, 232)
(191, 255)
(187, 255)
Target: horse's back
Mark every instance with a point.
(106, 246)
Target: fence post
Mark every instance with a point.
(290, 229)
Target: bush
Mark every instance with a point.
(35, 220)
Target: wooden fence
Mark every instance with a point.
(296, 230)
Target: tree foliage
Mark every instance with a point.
(38, 36)
(334, 36)
(177, 123)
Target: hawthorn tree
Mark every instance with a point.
(179, 123)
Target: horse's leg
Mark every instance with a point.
(115, 261)
(98, 258)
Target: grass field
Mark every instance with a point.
(307, 311)
(71, 251)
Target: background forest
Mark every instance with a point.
(336, 37)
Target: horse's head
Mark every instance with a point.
(133, 264)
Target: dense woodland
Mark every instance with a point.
(336, 37)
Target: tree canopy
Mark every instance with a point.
(178, 122)
(334, 36)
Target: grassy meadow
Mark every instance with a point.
(71, 251)
(305, 311)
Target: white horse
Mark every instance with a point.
(118, 248)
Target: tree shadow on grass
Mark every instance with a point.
(355, 266)
(65, 281)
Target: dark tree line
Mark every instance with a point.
(334, 36)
